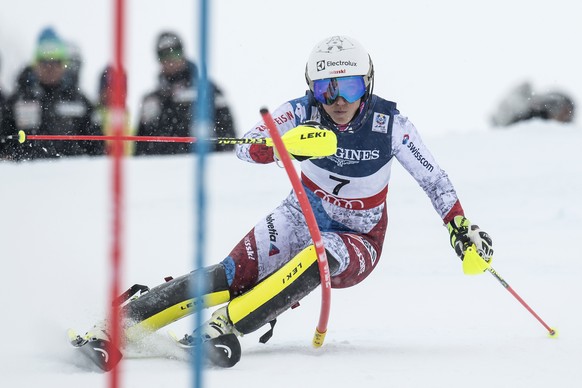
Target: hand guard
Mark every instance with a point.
(463, 234)
(309, 140)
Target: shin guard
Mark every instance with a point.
(277, 292)
(173, 300)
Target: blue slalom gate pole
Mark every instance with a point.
(201, 119)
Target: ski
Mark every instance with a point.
(223, 351)
(99, 351)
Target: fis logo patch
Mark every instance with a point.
(273, 250)
(405, 139)
(380, 123)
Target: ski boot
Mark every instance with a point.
(219, 338)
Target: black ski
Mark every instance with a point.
(223, 351)
(99, 351)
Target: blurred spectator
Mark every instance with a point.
(167, 111)
(102, 113)
(522, 103)
(74, 63)
(44, 102)
(2, 107)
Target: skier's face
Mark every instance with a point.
(341, 111)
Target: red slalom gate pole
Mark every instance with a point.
(321, 328)
(117, 108)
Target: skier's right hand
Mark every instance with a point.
(309, 140)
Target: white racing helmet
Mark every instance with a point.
(339, 56)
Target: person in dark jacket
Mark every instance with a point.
(2, 102)
(102, 115)
(46, 103)
(2, 114)
(167, 111)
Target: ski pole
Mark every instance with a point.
(321, 328)
(552, 332)
(474, 264)
(23, 137)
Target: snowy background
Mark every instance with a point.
(417, 321)
(447, 63)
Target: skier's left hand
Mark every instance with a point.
(463, 233)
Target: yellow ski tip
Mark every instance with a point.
(21, 136)
(318, 338)
(553, 333)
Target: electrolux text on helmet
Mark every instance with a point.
(321, 65)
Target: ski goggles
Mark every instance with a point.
(169, 54)
(328, 90)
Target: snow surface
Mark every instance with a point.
(417, 321)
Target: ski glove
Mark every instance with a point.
(463, 234)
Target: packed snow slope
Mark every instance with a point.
(417, 321)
